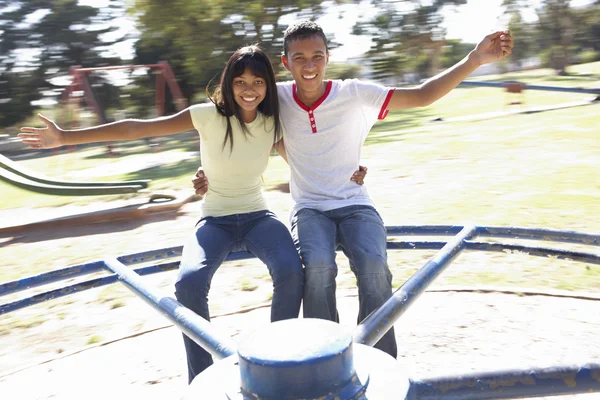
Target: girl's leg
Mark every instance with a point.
(202, 255)
(270, 240)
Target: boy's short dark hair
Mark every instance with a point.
(300, 30)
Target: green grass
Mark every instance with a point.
(532, 170)
(94, 339)
(248, 286)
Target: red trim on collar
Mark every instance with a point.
(317, 103)
(384, 108)
(310, 110)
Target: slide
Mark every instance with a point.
(16, 175)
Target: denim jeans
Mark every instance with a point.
(262, 234)
(360, 232)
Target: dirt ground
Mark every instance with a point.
(99, 344)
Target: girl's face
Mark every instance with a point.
(249, 91)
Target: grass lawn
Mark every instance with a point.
(532, 170)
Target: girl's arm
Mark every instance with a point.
(280, 147)
(129, 129)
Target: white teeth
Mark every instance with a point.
(309, 76)
(249, 98)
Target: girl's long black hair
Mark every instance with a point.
(256, 60)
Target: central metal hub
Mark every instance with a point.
(302, 359)
(292, 360)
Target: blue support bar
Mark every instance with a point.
(372, 328)
(80, 287)
(552, 235)
(510, 384)
(533, 87)
(151, 256)
(535, 251)
(218, 344)
(423, 230)
(50, 277)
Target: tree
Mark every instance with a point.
(40, 40)
(588, 32)
(526, 33)
(197, 37)
(407, 36)
(557, 32)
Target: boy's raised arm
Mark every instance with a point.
(493, 47)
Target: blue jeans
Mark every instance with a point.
(360, 232)
(262, 234)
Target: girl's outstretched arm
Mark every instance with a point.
(129, 129)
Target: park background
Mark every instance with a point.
(480, 155)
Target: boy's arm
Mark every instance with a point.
(492, 48)
(53, 136)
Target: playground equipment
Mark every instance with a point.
(310, 359)
(15, 175)
(519, 86)
(164, 77)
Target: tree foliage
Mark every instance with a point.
(40, 40)
(408, 36)
(197, 37)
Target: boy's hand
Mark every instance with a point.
(494, 47)
(200, 182)
(359, 175)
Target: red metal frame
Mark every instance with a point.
(164, 77)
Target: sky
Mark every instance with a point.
(469, 23)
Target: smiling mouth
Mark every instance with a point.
(309, 77)
(249, 99)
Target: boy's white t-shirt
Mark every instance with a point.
(323, 142)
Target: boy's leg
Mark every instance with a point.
(315, 238)
(363, 238)
(202, 255)
(270, 240)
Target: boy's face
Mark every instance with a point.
(307, 60)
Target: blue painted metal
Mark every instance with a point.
(302, 359)
(308, 360)
(254, 361)
(78, 270)
(80, 287)
(195, 327)
(50, 277)
(535, 251)
(510, 384)
(372, 328)
(533, 87)
(552, 235)
(423, 230)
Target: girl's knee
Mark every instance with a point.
(286, 266)
(193, 283)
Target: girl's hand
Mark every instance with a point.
(42, 138)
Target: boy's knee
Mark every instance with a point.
(320, 277)
(318, 258)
